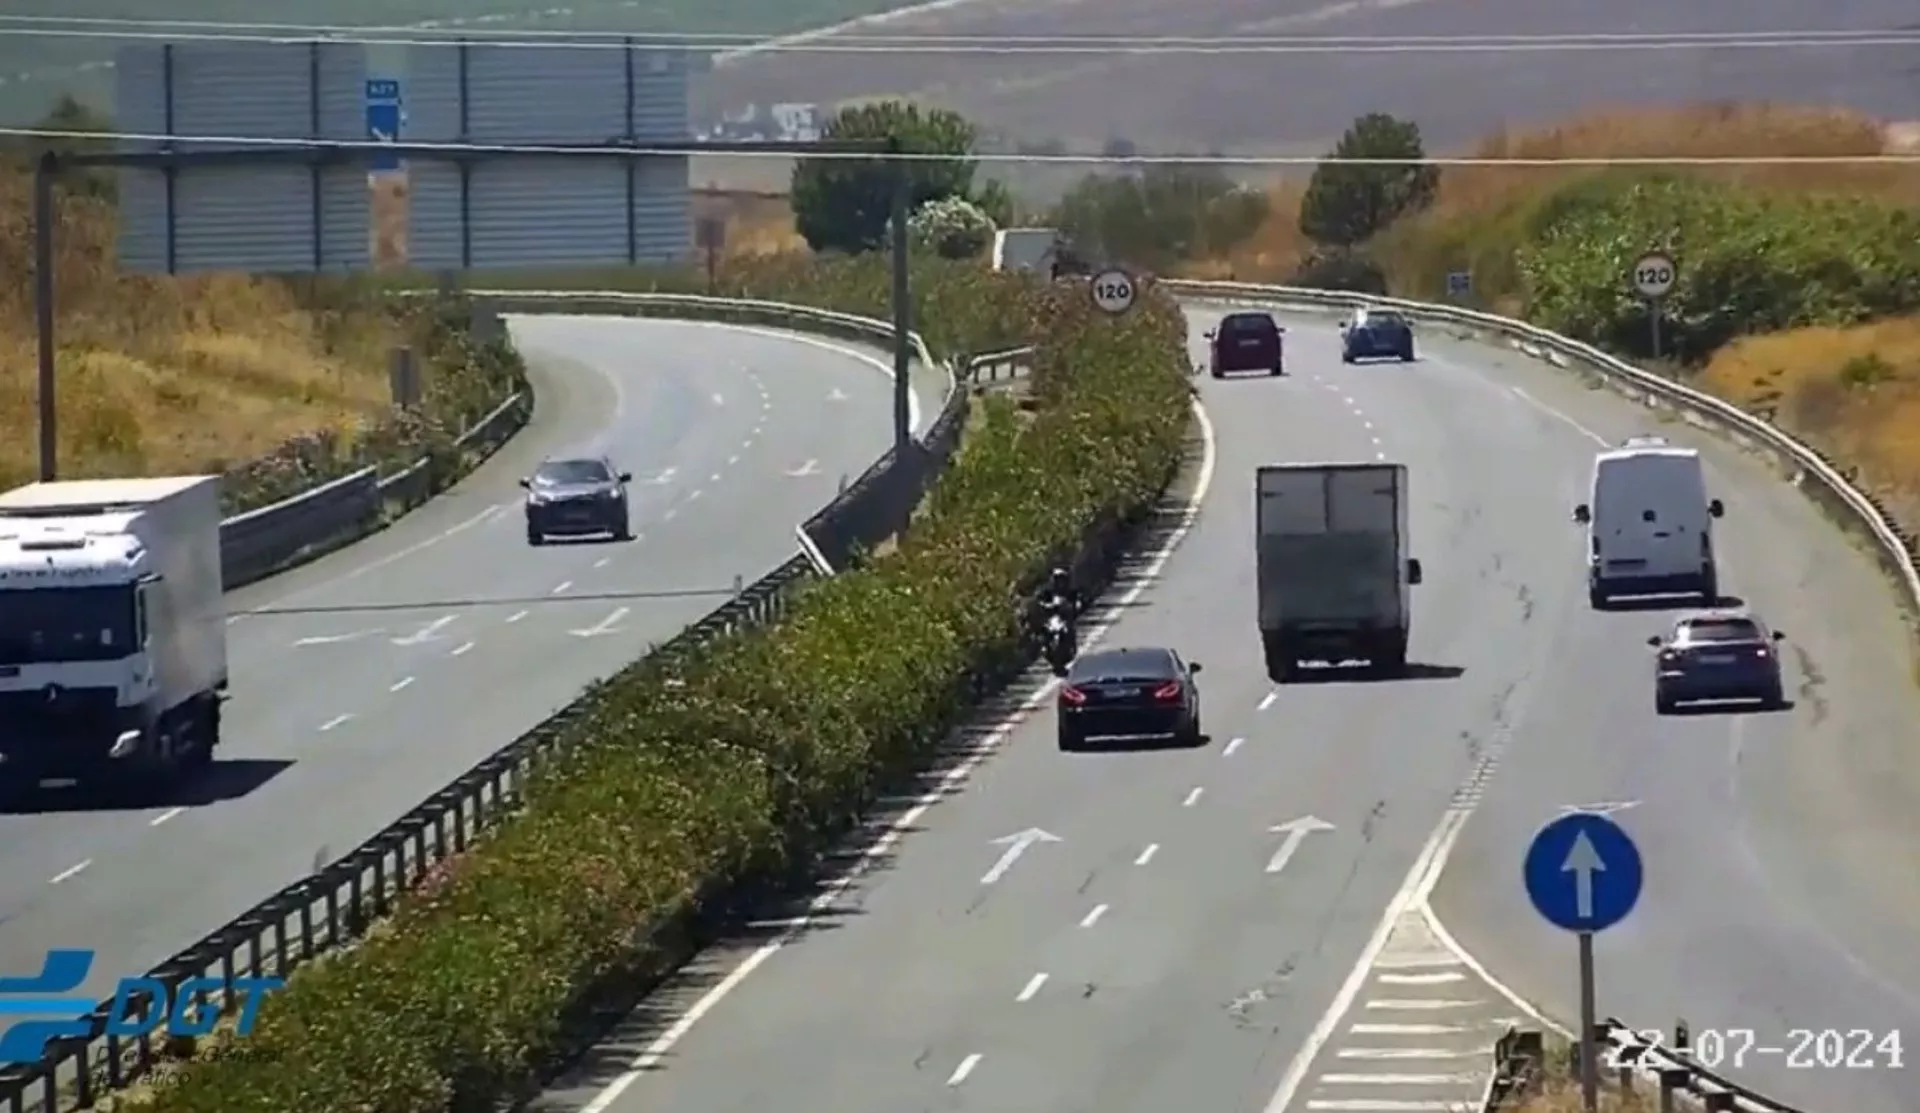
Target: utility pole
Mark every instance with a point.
(902, 310)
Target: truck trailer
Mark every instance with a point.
(113, 637)
(1332, 569)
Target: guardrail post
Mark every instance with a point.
(739, 585)
(403, 378)
(1673, 1080)
(843, 483)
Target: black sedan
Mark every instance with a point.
(1129, 695)
(1714, 656)
(577, 498)
(1376, 332)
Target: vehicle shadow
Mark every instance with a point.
(554, 540)
(1729, 707)
(1669, 603)
(219, 782)
(1367, 674)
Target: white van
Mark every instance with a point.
(1650, 524)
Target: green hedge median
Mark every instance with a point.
(667, 793)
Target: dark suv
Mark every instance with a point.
(577, 498)
(1247, 342)
(1717, 655)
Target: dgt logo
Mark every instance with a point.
(191, 1010)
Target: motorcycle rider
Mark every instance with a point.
(1058, 599)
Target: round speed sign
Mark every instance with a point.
(1654, 274)
(1113, 291)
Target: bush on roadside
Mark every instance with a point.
(662, 794)
(1748, 263)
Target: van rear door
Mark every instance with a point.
(1650, 516)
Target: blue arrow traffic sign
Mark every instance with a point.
(1583, 872)
(383, 120)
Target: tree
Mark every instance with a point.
(1346, 205)
(842, 204)
(952, 227)
(1159, 216)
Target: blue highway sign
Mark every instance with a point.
(1583, 872)
(383, 120)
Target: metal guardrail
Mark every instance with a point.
(337, 903)
(258, 543)
(1627, 1055)
(1813, 470)
(1519, 1057)
(1673, 1076)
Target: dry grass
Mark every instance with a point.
(1855, 392)
(1564, 1097)
(164, 375)
(756, 223)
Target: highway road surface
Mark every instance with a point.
(366, 681)
(1154, 945)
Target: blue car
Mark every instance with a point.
(1376, 333)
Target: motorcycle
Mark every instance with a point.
(1056, 644)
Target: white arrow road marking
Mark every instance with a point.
(335, 639)
(836, 395)
(1296, 832)
(604, 626)
(1583, 861)
(427, 633)
(1016, 845)
(811, 467)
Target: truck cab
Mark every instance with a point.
(1649, 524)
(112, 629)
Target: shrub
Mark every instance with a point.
(1748, 263)
(774, 736)
(952, 228)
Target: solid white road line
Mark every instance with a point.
(1407, 1029)
(1410, 1053)
(654, 1052)
(1438, 978)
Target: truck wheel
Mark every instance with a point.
(1406, 354)
(1392, 657)
(1710, 589)
(1069, 741)
(206, 735)
(1597, 599)
(1664, 704)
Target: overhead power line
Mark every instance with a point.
(801, 150)
(856, 41)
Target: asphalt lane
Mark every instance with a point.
(1782, 849)
(364, 682)
(1147, 958)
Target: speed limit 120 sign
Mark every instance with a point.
(1113, 291)
(1654, 275)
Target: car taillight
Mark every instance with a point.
(1168, 691)
(1072, 695)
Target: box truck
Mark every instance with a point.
(113, 650)
(1332, 569)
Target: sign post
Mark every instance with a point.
(383, 121)
(1113, 291)
(1583, 874)
(1653, 276)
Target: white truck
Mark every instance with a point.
(113, 635)
(1332, 569)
